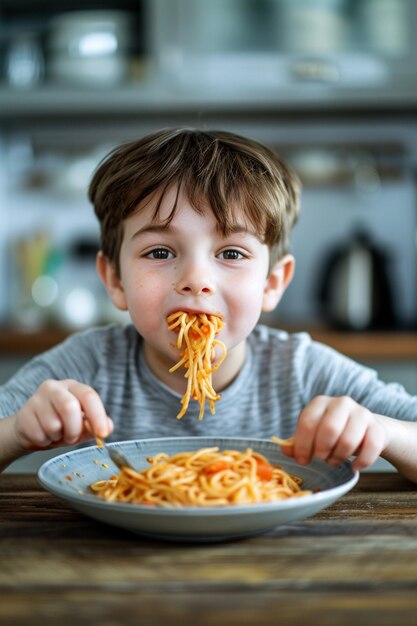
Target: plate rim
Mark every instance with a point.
(196, 511)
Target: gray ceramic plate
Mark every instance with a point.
(87, 465)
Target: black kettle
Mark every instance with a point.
(355, 290)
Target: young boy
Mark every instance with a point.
(200, 222)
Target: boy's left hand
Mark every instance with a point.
(334, 429)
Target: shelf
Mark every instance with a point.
(26, 343)
(378, 346)
(158, 98)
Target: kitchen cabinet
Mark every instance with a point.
(181, 55)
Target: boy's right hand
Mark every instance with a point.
(61, 413)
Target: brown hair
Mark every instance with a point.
(220, 168)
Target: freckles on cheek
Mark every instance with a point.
(135, 286)
(146, 280)
(152, 286)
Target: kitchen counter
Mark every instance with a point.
(388, 346)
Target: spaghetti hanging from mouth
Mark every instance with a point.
(196, 342)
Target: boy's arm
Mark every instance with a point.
(59, 413)
(10, 449)
(402, 446)
(334, 429)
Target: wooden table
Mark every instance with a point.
(354, 563)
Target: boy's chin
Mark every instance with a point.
(168, 354)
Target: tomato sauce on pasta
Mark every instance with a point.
(204, 478)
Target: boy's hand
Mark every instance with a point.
(60, 413)
(334, 429)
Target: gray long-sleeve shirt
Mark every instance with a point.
(282, 372)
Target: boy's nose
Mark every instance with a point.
(195, 283)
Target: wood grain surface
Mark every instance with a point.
(353, 563)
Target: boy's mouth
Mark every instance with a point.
(191, 311)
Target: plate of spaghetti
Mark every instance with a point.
(195, 488)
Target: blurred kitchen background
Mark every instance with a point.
(331, 84)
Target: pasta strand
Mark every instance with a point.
(205, 478)
(196, 343)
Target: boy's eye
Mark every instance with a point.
(160, 253)
(231, 255)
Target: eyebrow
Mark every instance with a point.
(151, 228)
(163, 228)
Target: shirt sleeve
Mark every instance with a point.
(323, 371)
(77, 358)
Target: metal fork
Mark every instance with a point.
(115, 454)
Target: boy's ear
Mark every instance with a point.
(111, 280)
(278, 280)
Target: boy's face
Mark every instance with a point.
(191, 266)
